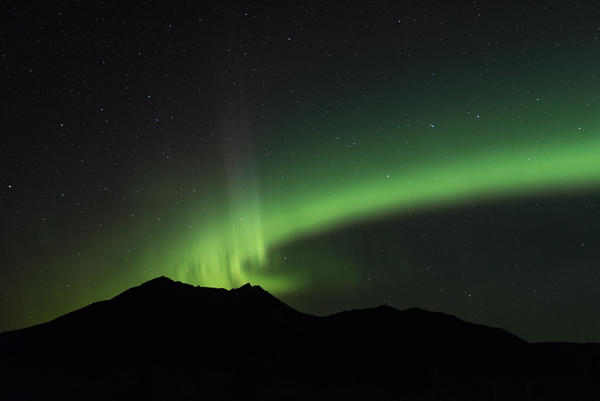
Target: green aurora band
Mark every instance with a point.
(232, 249)
(228, 238)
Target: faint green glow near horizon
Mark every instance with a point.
(234, 246)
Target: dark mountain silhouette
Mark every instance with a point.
(168, 340)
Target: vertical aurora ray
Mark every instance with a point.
(233, 251)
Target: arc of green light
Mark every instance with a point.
(233, 256)
(483, 177)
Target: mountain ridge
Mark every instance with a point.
(245, 337)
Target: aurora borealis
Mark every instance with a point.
(337, 154)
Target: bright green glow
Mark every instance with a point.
(482, 177)
(232, 248)
(226, 239)
(238, 237)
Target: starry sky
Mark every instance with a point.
(340, 154)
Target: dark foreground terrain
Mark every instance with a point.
(168, 340)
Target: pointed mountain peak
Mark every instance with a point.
(162, 281)
(250, 287)
(156, 289)
(252, 291)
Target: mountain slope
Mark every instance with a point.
(165, 338)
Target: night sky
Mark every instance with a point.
(339, 154)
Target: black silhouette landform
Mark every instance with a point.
(169, 340)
